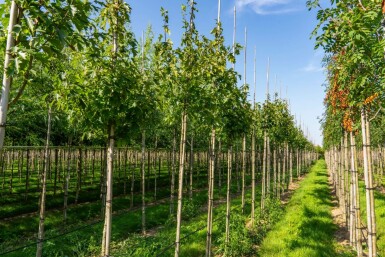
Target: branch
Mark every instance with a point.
(361, 5)
(375, 115)
(25, 81)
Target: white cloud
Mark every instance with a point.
(311, 67)
(265, 7)
(314, 64)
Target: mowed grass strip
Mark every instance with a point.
(307, 228)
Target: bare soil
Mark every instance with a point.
(292, 187)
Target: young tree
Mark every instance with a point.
(37, 31)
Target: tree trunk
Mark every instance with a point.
(228, 196)
(342, 177)
(143, 171)
(210, 195)
(237, 169)
(355, 217)
(243, 171)
(11, 179)
(40, 237)
(347, 182)
(148, 170)
(191, 167)
(263, 196)
(109, 182)
(253, 177)
(291, 164)
(126, 168)
(154, 168)
(66, 185)
(371, 219)
(182, 150)
(27, 175)
(79, 171)
(219, 164)
(132, 181)
(268, 173)
(284, 179)
(173, 167)
(279, 183)
(56, 170)
(275, 188)
(103, 180)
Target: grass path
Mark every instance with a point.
(307, 228)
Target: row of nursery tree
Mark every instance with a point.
(76, 75)
(352, 36)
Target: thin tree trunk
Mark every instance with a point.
(79, 171)
(355, 221)
(342, 178)
(237, 169)
(103, 180)
(268, 170)
(182, 151)
(263, 196)
(275, 187)
(154, 166)
(210, 195)
(219, 164)
(126, 168)
(67, 182)
(11, 179)
(109, 182)
(228, 196)
(40, 236)
(27, 175)
(279, 187)
(132, 180)
(148, 170)
(347, 183)
(290, 164)
(284, 180)
(253, 177)
(369, 186)
(173, 167)
(297, 164)
(243, 171)
(191, 167)
(143, 171)
(56, 170)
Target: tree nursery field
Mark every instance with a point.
(118, 144)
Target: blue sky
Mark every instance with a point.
(279, 29)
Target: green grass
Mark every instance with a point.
(307, 228)
(380, 218)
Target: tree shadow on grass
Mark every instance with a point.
(322, 195)
(315, 234)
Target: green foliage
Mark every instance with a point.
(352, 36)
(241, 242)
(44, 31)
(266, 220)
(190, 208)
